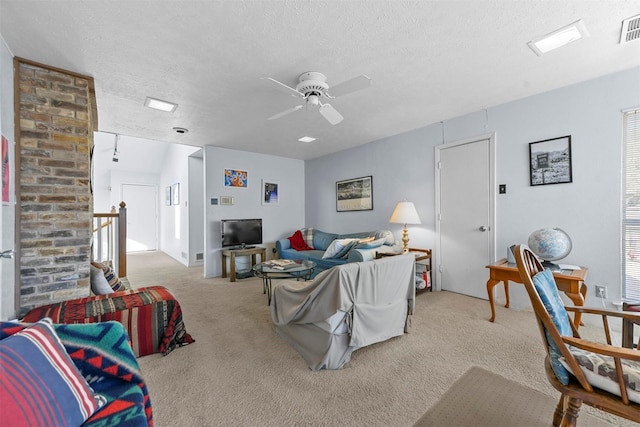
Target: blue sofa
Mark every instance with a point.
(383, 241)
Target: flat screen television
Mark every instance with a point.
(241, 232)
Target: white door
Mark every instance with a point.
(142, 217)
(465, 215)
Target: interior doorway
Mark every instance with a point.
(142, 216)
(465, 214)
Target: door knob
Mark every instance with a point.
(483, 228)
(7, 254)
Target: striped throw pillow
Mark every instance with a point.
(40, 385)
(110, 275)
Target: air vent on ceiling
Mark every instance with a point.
(630, 29)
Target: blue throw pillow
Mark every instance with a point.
(545, 285)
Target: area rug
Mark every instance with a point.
(482, 398)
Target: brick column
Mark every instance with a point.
(55, 133)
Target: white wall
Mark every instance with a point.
(588, 209)
(277, 221)
(196, 208)
(174, 219)
(7, 215)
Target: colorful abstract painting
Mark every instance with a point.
(235, 178)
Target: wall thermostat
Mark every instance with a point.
(226, 200)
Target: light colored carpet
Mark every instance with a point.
(484, 399)
(240, 373)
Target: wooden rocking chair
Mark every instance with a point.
(599, 375)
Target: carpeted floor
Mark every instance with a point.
(485, 399)
(240, 373)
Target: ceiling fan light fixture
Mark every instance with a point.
(558, 38)
(313, 100)
(306, 139)
(158, 104)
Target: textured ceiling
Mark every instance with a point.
(429, 61)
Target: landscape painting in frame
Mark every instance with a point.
(354, 194)
(550, 161)
(236, 178)
(270, 192)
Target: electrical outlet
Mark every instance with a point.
(601, 291)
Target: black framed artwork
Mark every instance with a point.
(550, 161)
(354, 194)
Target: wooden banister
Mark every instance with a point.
(116, 242)
(122, 240)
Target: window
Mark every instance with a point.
(631, 211)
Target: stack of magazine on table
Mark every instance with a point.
(282, 264)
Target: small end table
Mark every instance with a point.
(423, 258)
(233, 253)
(571, 282)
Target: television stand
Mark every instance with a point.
(233, 253)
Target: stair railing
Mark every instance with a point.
(110, 238)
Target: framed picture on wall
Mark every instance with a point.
(354, 194)
(270, 192)
(550, 161)
(6, 169)
(236, 178)
(175, 194)
(167, 196)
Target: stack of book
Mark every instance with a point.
(281, 264)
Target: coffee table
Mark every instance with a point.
(267, 271)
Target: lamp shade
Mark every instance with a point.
(405, 213)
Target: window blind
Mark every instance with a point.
(631, 203)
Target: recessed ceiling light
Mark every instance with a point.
(306, 139)
(158, 104)
(180, 130)
(558, 38)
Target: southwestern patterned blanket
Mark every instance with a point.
(152, 317)
(104, 359)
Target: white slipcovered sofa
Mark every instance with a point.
(345, 308)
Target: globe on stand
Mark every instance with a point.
(550, 244)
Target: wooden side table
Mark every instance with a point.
(571, 282)
(233, 253)
(423, 258)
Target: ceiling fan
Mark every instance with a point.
(312, 87)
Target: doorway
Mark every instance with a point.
(142, 216)
(465, 214)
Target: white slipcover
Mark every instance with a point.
(345, 308)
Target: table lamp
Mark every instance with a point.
(405, 213)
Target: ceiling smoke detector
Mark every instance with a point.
(630, 29)
(180, 130)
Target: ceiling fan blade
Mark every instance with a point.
(356, 83)
(331, 114)
(284, 113)
(283, 87)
